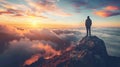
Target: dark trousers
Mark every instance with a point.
(88, 30)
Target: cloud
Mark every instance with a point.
(13, 9)
(48, 53)
(31, 60)
(26, 51)
(79, 3)
(48, 35)
(94, 4)
(10, 30)
(58, 38)
(68, 35)
(8, 33)
(26, 47)
(108, 7)
(108, 11)
(86, 4)
(47, 6)
(111, 8)
(32, 8)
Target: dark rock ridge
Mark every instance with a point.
(91, 52)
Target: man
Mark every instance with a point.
(88, 24)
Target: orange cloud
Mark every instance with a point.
(4, 12)
(31, 60)
(108, 11)
(102, 13)
(12, 30)
(49, 51)
(112, 8)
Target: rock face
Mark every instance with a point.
(91, 52)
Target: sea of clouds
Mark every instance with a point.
(20, 47)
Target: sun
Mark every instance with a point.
(34, 22)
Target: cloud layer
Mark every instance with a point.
(25, 47)
(19, 47)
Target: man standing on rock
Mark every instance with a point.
(88, 24)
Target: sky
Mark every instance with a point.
(59, 13)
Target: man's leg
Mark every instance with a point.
(90, 31)
(87, 31)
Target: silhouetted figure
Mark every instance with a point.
(88, 24)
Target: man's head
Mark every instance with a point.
(88, 17)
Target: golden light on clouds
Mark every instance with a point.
(34, 22)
